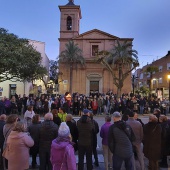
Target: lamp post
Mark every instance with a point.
(133, 83)
(169, 85)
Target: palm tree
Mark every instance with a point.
(150, 70)
(121, 57)
(72, 55)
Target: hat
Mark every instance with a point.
(116, 114)
(85, 111)
(63, 130)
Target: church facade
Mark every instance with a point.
(93, 77)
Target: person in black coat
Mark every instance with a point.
(33, 129)
(152, 142)
(95, 132)
(73, 130)
(157, 113)
(2, 139)
(56, 118)
(165, 144)
(48, 132)
(139, 120)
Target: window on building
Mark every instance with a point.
(141, 76)
(160, 68)
(160, 80)
(168, 66)
(95, 49)
(69, 23)
(154, 81)
(148, 74)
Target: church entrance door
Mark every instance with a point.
(94, 87)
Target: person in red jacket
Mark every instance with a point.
(94, 106)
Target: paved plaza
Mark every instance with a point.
(100, 120)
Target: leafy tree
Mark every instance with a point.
(72, 56)
(18, 59)
(54, 70)
(121, 58)
(150, 70)
(144, 90)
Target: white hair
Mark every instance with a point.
(48, 116)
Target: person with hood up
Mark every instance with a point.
(85, 140)
(18, 144)
(62, 151)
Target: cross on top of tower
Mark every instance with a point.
(70, 3)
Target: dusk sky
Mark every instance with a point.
(147, 21)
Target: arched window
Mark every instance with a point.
(69, 23)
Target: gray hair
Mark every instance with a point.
(69, 117)
(116, 114)
(153, 118)
(48, 116)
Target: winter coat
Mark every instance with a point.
(57, 120)
(104, 133)
(120, 139)
(18, 155)
(2, 108)
(137, 129)
(85, 130)
(62, 155)
(33, 129)
(94, 105)
(7, 130)
(165, 138)
(2, 139)
(74, 133)
(152, 141)
(48, 132)
(62, 116)
(95, 132)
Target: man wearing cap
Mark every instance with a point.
(85, 131)
(120, 140)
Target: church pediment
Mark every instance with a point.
(95, 34)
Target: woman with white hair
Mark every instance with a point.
(62, 151)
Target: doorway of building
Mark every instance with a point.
(94, 87)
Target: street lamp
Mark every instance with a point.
(133, 83)
(169, 85)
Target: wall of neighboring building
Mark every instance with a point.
(160, 79)
(9, 87)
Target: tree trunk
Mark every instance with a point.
(119, 88)
(150, 84)
(71, 77)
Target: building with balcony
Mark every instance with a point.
(159, 80)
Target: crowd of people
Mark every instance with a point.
(98, 103)
(57, 137)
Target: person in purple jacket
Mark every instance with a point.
(62, 151)
(104, 135)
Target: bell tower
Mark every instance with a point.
(70, 15)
